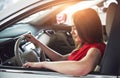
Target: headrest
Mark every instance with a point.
(110, 16)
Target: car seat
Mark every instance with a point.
(109, 20)
(110, 63)
(109, 17)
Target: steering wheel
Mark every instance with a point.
(31, 56)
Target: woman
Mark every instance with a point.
(87, 35)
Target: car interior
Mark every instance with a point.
(15, 50)
(56, 36)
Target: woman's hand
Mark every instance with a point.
(31, 38)
(33, 65)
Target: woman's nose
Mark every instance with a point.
(71, 31)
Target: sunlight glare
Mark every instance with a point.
(79, 6)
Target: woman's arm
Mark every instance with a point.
(75, 68)
(53, 55)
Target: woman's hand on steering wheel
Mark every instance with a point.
(31, 38)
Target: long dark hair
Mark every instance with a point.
(88, 25)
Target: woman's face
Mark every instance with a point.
(75, 35)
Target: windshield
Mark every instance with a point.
(6, 3)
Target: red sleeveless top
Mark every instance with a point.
(79, 54)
